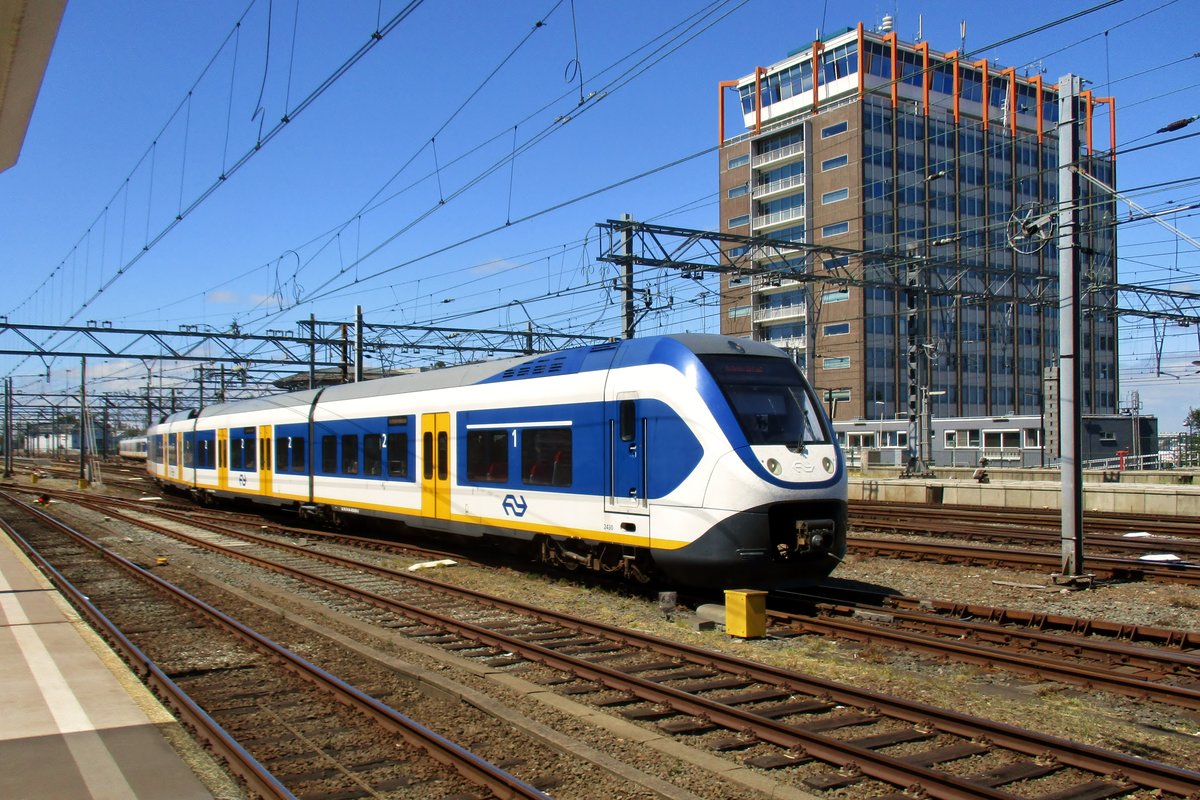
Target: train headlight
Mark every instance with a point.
(827, 463)
(775, 467)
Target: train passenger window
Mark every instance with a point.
(443, 455)
(189, 455)
(628, 413)
(427, 454)
(249, 461)
(329, 454)
(350, 454)
(235, 453)
(172, 450)
(202, 454)
(546, 456)
(281, 454)
(373, 454)
(487, 456)
(397, 455)
(297, 454)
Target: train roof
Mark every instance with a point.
(630, 352)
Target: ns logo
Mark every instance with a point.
(514, 506)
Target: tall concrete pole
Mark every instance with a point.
(8, 434)
(358, 344)
(627, 260)
(1070, 413)
(83, 448)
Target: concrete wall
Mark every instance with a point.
(1167, 501)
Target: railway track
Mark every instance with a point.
(1166, 675)
(291, 728)
(911, 517)
(831, 736)
(1104, 567)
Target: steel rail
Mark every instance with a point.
(473, 768)
(893, 770)
(1093, 638)
(1022, 559)
(1026, 663)
(994, 531)
(1095, 521)
(254, 776)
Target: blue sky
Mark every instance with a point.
(367, 195)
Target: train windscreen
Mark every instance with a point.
(772, 403)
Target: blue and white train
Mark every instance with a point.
(703, 459)
(132, 448)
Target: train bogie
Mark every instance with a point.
(700, 457)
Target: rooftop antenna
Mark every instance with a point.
(920, 28)
(962, 35)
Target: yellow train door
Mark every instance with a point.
(265, 464)
(435, 465)
(222, 458)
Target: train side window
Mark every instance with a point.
(443, 455)
(397, 455)
(628, 414)
(298, 454)
(427, 454)
(329, 454)
(281, 454)
(350, 454)
(546, 456)
(189, 455)
(487, 456)
(373, 454)
(248, 446)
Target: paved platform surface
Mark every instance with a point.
(70, 728)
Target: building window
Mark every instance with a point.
(836, 363)
(1001, 440)
(833, 130)
(836, 296)
(836, 229)
(834, 263)
(738, 252)
(835, 196)
(739, 161)
(738, 191)
(836, 329)
(739, 311)
(834, 163)
(737, 222)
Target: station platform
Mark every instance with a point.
(76, 724)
